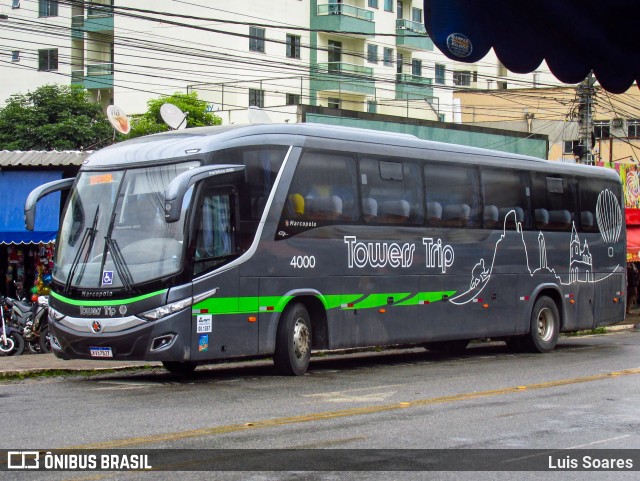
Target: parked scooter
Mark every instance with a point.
(11, 341)
(32, 320)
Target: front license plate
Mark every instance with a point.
(101, 352)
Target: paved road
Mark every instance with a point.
(582, 395)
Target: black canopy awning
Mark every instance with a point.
(573, 36)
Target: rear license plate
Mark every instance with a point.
(101, 352)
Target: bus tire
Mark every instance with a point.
(180, 368)
(293, 341)
(544, 328)
(447, 347)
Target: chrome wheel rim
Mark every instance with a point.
(301, 339)
(545, 324)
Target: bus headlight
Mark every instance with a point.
(163, 311)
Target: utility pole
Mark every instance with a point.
(585, 94)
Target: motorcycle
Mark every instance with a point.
(32, 320)
(11, 341)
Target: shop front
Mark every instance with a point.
(26, 258)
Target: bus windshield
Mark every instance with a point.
(113, 231)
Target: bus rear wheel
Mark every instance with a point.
(293, 341)
(544, 328)
(180, 368)
(447, 347)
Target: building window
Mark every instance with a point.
(399, 62)
(333, 103)
(440, 69)
(633, 128)
(536, 79)
(256, 98)
(48, 59)
(462, 78)
(48, 8)
(15, 55)
(372, 53)
(256, 39)
(388, 5)
(293, 46)
(416, 15)
(388, 57)
(569, 146)
(441, 117)
(501, 85)
(399, 10)
(293, 99)
(372, 106)
(602, 130)
(416, 67)
(15, 4)
(373, 3)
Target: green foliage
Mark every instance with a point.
(152, 123)
(53, 117)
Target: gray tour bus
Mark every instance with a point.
(274, 240)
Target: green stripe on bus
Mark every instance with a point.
(242, 305)
(429, 297)
(106, 302)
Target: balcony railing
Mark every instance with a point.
(77, 76)
(347, 10)
(100, 11)
(100, 69)
(413, 79)
(342, 68)
(416, 27)
(77, 21)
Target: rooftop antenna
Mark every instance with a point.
(258, 116)
(118, 119)
(175, 118)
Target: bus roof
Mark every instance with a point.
(194, 142)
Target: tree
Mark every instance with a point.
(53, 117)
(151, 122)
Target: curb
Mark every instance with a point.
(84, 368)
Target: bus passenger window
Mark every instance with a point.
(590, 191)
(323, 189)
(506, 190)
(452, 195)
(555, 201)
(391, 191)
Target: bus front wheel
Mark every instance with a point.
(545, 326)
(293, 341)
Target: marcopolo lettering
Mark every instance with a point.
(382, 254)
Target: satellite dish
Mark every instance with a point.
(257, 116)
(118, 119)
(173, 116)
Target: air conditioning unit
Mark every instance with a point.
(617, 123)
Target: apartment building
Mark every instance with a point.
(364, 55)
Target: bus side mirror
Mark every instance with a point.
(176, 190)
(39, 192)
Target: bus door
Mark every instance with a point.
(220, 329)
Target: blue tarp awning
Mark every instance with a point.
(14, 189)
(573, 36)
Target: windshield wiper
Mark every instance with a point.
(88, 238)
(120, 264)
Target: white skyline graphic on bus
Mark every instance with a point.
(609, 221)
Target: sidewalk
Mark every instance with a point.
(33, 364)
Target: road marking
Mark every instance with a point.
(598, 442)
(359, 411)
(355, 395)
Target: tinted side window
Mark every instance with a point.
(391, 191)
(554, 201)
(452, 195)
(262, 165)
(590, 191)
(505, 198)
(323, 191)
